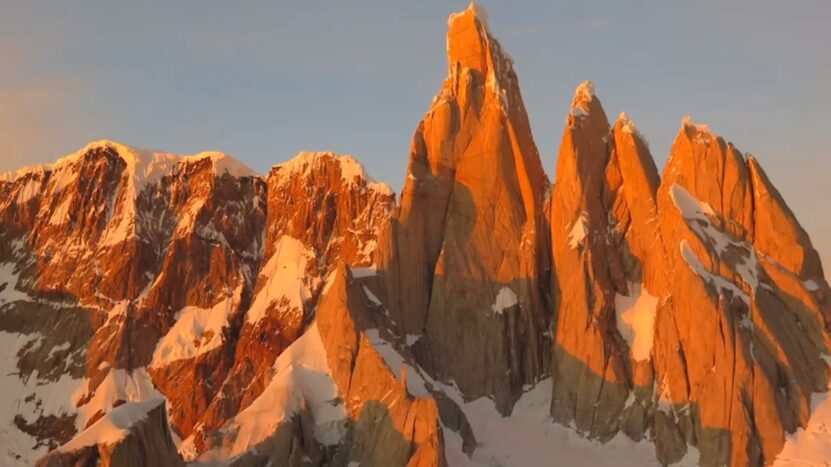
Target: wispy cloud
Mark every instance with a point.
(527, 30)
(596, 24)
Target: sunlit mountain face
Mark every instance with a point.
(164, 309)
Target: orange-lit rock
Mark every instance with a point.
(308, 317)
(470, 227)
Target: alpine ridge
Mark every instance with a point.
(162, 309)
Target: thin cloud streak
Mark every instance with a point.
(596, 24)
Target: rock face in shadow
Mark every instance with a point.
(465, 257)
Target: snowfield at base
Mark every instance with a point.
(505, 299)
(29, 398)
(285, 274)
(301, 381)
(810, 446)
(636, 320)
(530, 438)
(118, 385)
(112, 427)
(196, 331)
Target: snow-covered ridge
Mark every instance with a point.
(301, 379)
(305, 162)
(114, 426)
(148, 165)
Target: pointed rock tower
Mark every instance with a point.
(739, 348)
(692, 311)
(603, 238)
(466, 250)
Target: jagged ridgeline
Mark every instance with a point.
(159, 309)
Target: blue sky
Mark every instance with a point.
(263, 80)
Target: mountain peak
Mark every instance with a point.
(473, 9)
(583, 100)
(146, 164)
(471, 46)
(697, 132)
(628, 126)
(306, 162)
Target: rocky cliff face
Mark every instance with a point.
(161, 309)
(467, 252)
(674, 320)
(604, 234)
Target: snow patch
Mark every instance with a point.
(719, 283)
(743, 260)
(583, 95)
(8, 285)
(301, 380)
(285, 278)
(505, 299)
(118, 385)
(636, 320)
(529, 435)
(195, 332)
(60, 215)
(28, 190)
(579, 231)
(112, 427)
(690, 207)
